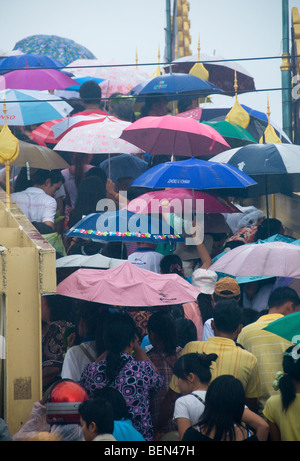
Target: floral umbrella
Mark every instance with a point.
(118, 79)
(63, 49)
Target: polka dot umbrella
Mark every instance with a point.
(63, 49)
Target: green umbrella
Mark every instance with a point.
(288, 327)
(235, 135)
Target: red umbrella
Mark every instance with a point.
(179, 198)
(179, 136)
(35, 79)
(43, 133)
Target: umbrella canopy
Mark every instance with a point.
(81, 80)
(36, 156)
(117, 79)
(43, 134)
(61, 128)
(164, 199)
(194, 174)
(127, 285)
(124, 165)
(125, 226)
(274, 259)
(29, 107)
(95, 261)
(235, 135)
(174, 86)
(28, 60)
(60, 48)
(257, 124)
(35, 79)
(287, 327)
(169, 135)
(274, 166)
(221, 71)
(98, 138)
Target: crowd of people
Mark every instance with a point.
(199, 371)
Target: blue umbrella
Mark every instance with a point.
(124, 226)
(29, 60)
(124, 165)
(195, 174)
(63, 49)
(174, 86)
(82, 80)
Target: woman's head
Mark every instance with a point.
(162, 331)
(224, 407)
(171, 264)
(190, 369)
(117, 401)
(291, 374)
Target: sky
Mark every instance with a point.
(118, 29)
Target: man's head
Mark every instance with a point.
(227, 319)
(283, 300)
(48, 180)
(227, 288)
(96, 417)
(90, 93)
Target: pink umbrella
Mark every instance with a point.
(165, 199)
(272, 259)
(172, 135)
(35, 79)
(127, 285)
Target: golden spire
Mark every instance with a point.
(136, 59)
(9, 150)
(237, 114)
(157, 73)
(269, 134)
(198, 69)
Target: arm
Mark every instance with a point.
(167, 408)
(204, 256)
(274, 432)
(257, 423)
(183, 424)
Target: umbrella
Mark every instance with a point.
(98, 138)
(35, 156)
(117, 79)
(170, 135)
(174, 86)
(123, 225)
(29, 107)
(28, 60)
(60, 48)
(95, 261)
(124, 165)
(61, 128)
(273, 259)
(257, 124)
(287, 327)
(43, 134)
(235, 135)
(81, 80)
(274, 166)
(35, 79)
(127, 285)
(179, 198)
(194, 174)
(221, 71)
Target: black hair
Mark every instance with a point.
(205, 305)
(171, 264)
(96, 171)
(118, 333)
(100, 412)
(117, 401)
(224, 407)
(90, 92)
(227, 316)
(199, 364)
(186, 331)
(163, 325)
(39, 177)
(268, 228)
(282, 295)
(291, 368)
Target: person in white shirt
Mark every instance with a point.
(145, 257)
(37, 202)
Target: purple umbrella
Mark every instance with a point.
(35, 79)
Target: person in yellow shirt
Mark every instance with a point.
(282, 410)
(267, 347)
(232, 359)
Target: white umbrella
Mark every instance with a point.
(96, 261)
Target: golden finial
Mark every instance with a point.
(269, 134)
(237, 115)
(198, 69)
(9, 150)
(157, 73)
